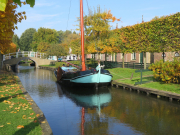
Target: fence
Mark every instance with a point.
(23, 54)
(112, 64)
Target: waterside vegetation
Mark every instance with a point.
(17, 116)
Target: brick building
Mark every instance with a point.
(135, 57)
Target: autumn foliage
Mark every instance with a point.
(168, 72)
(8, 19)
(97, 31)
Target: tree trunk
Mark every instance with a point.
(144, 60)
(99, 56)
(123, 60)
(163, 57)
(106, 56)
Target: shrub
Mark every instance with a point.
(168, 72)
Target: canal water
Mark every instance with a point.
(108, 111)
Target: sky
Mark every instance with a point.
(62, 14)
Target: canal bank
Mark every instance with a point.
(46, 129)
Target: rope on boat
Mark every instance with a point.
(71, 64)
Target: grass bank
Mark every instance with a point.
(124, 75)
(17, 116)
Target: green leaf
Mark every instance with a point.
(3, 5)
(18, 2)
(30, 2)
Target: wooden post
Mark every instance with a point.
(144, 60)
(131, 76)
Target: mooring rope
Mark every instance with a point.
(71, 64)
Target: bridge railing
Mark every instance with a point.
(23, 54)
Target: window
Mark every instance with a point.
(133, 56)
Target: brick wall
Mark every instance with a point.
(127, 57)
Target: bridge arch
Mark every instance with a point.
(26, 58)
(38, 61)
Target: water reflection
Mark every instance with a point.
(87, 98)
(106, 111)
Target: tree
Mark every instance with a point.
(7, 21)
(44, 35)
(76, 46)
(97, 30)
(43, 47)
(122, 45)
(60, 36)
(66, 33)
(70, 37)
(4, 3)
(15, 40)
(26, 39)
(12, 48)
(157, 17)
(56, 50)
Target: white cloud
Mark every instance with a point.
(39, 17)
(51, 24)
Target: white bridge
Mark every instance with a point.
(16, 57)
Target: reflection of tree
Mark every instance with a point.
(38, 81)
(95, 125)
(145, 114)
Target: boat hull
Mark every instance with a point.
(88, 78)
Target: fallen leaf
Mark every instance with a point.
(8, 123)
(30, 118)
(20, 126)
(37, 115)
(2, 126)
(31, 113)
(4, 110)
(24, 116)
(30, 108)
(43, 122)
(35, 121)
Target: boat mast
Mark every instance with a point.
(82, 36)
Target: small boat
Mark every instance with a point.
(84, 78)
(71, 76)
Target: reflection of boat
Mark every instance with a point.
(87, 98)
(99, 77)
